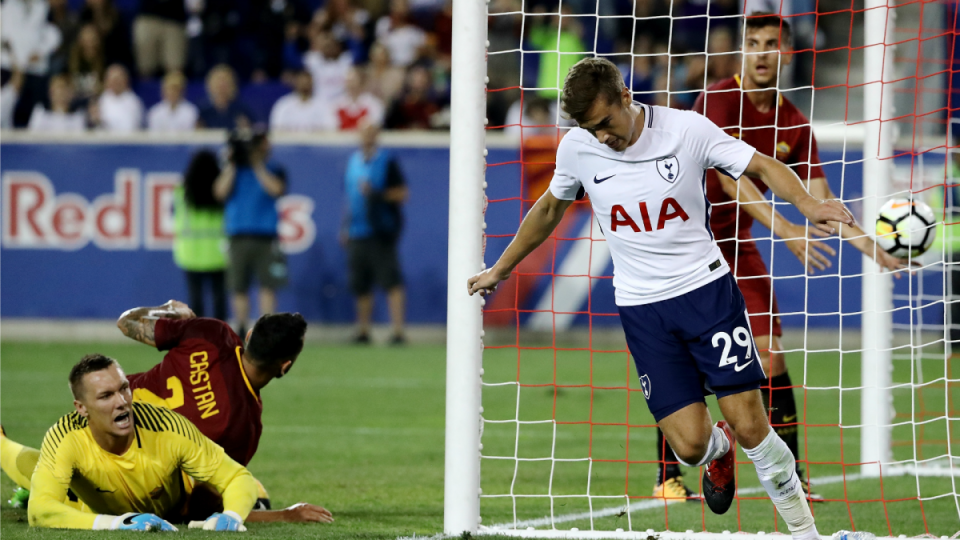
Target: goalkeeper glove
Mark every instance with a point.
(227, 521)
(133, 521)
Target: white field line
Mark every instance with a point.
(896, 470)
(574, 534)
(639, 506)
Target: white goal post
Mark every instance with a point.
(461, 491)
(877, 321)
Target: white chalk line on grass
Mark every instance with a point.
(512, 528)
(927, 469)
(640, 506)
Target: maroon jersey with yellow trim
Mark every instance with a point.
(782, 132)
(201, 377)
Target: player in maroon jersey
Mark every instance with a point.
(751, 109)
(206, 373)
(209, 377)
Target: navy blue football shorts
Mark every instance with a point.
(692, 346)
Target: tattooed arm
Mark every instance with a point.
(138, 323)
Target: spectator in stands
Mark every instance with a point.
(651, 18)
(224, 111)
(198, 236)
(357, 106)
(250, 185)
(173, 113)
(639, 74)
(59, 118)
(9, 93)
(300, 110)
(103, 14)
(28, 40)
(273, 20)
(417, 105)
(560, 34)
(87, 62)
(225, 26)
(118, 110)
(539, 117)
(195, 64)
(399, 35)
(292, 53)
(375, 190)
(724, 59)
(68, 22)
(443, 32)
(346, 23)
(383, 79)
(160, 37)
(328, 64)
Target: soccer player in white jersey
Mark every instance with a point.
(684, 318)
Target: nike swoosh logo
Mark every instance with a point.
(781, 484)
(601, 180)
(787, 418)
(740, 368)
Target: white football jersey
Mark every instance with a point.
(650, 200)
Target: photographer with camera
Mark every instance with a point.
(249, 186)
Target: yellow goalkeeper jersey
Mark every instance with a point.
(146, 478)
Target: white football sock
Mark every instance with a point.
(778, 474)
(716, 447)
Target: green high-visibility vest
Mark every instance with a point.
(199, 243)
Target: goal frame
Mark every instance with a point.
(465, 258)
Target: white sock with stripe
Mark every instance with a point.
(778, 474)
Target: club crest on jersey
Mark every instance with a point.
(646, 386)
(783, 150)
(669, 168)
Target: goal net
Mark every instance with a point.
(567, 447)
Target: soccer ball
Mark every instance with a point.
(905, 227)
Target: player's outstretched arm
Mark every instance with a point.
(48, 490)
(537, 226)
(786, 184)
(299, 513)
(751, 200)
(139, 323)
(857, 237)
(207, 462)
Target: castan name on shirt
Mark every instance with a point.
(669, 209)
(204, 396)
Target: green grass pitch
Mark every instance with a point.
(360, 431)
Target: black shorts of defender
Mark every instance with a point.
(692, 346)
(373, 261)
(258, 256)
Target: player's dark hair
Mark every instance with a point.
(276, 338)
(587, 81)
(90, 363)
(762, 19)
(199, 178)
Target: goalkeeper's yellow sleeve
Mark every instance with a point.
(50, 482)
(205, 461)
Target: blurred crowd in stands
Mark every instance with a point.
(328, 65)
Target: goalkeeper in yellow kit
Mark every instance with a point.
(126, 461)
